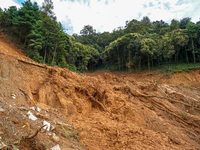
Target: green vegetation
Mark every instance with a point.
(183, 67)
(139, 45)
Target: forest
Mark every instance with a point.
(139, 45)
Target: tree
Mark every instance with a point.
(47, 9)
(158, 25)
(167, 48)
(94, 59)
(27, 16)
(192, 32)
(148, 47)
(79, 56)
(9, 18)
(36, 40)
(180, 39)
(174, 24)
(146, 23)
(49, 23)
(134, 26)
(89, 35)
(184, 22)
(134, 46)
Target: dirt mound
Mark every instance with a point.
(101, 110)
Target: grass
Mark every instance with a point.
(178, 68)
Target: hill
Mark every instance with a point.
(100, 110)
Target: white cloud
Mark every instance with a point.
(7, 3)
(106, 15)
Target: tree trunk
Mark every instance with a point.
(129, 63)
(28, 45)
(45, 53)
(158, 62)
(167, 61)
(139, 65)
(25, 40)
(177, 58)
(152, 63)
(54, 54)
(186, 54)
(118, 61)
(20, 35)
(193, 52)
(148, 64)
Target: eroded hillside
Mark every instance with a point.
(96, 111)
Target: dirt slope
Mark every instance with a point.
(96, 111)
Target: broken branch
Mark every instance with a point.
(28, 97)
(35, 134)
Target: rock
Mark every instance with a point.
(48, 125)
(2, 145)
(57, 147)
(52, 127)
(22, 108)
(32, 108)
(1, 109)
(38, 109)
(13, 96)
(55, 137)
(31, 116)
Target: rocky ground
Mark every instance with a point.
(44, 107)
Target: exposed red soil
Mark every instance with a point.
(100, 110)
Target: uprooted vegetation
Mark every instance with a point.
(100, 110)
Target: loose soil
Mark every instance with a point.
(95, 111)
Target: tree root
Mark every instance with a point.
(164, 108)
(32, 63)
(169, 99)
(29, 137)
(80, 89)
(29, 97)
(35, 134)
(101, 104)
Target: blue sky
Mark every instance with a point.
(106, 15)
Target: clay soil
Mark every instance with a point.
(95, 111)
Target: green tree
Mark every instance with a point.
(89, 35)
(134, 26)
(167, 48)
(174, 24)
(148, 47)
(183, 23)
(180, 39)
(36, 41)
(28, 14)
(192, 32)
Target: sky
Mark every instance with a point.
(107, 15)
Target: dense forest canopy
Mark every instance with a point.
(138, 45)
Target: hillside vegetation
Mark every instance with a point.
(139, 45)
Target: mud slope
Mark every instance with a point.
(107, 111)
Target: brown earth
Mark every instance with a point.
(96, 111)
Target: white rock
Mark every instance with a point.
(13, 96)
(31, 116)
(38, 109)
(2, 145)
(1, 109)
(52, 127)
(57, 147)
(32, 108)
(48, 125)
